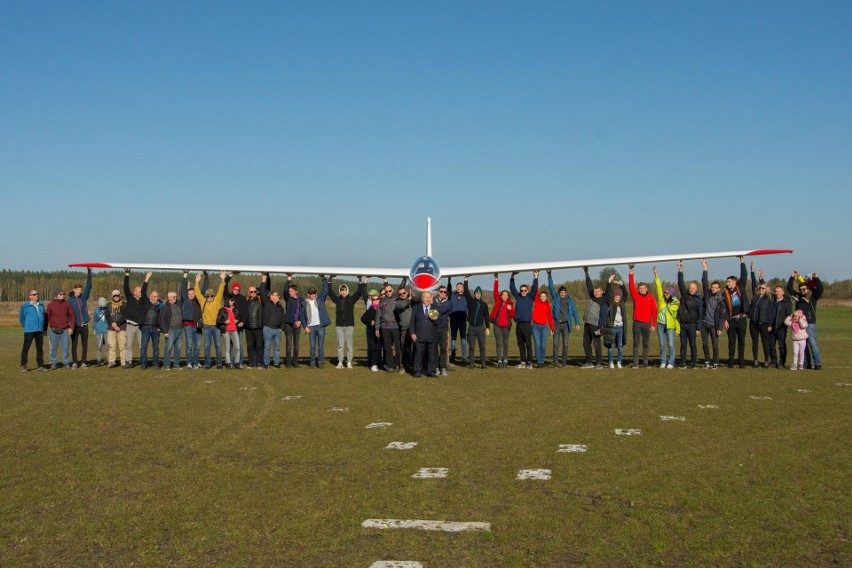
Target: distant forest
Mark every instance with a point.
(15, 284)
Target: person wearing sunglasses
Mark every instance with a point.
(60, 322)
(32, 317)
(209, 310)
(524, 298)
(806, 293)
(761, 320)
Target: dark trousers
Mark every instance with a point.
(81, 334)
(443, 348)
(561, 333)
(458, 327)
(254, 347)
(29, 338)
(590, 338)
(687, 337)
(393, 347)
(476, 334)
(761, 331)
(641, 334)
(779, 340)
(374, 347)
(407, 347)
(429, 351)
(291, 343)
(736, 340)
(523, 332)
(150, 333)
(710, 338)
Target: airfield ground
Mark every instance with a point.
(736, 467)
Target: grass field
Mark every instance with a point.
(215, 468)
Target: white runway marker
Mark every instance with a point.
(379, 425)
(396, 564)
(431, 473)
(445, 526)
(400, 445)
(292, 397)
(708, 406)
(628, 432)
(209, 382)
(337, 409)
(673, 418)
(843, 384)
(572, 448)
(803, 390)
(539, 474)
(760, 397)
(247, 388)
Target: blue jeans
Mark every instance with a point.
(617, 344)
(193, 344)
(55, 339)
(317, 337)
(271, 342)
(812, 352)
(540, 332)
(666, 339)
(212, 336)
(173, 343)
(149, 333)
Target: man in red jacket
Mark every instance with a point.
(60, 321)
(644, 318)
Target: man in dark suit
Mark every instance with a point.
(424, 333)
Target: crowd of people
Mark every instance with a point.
(430, 333)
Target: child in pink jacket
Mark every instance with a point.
(797, 323)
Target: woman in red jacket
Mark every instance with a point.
(501, 317)
(542, 323)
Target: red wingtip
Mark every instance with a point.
(768, 251)
(90, 265)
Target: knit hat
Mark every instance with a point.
(236, 286)
(563, 289)
(672, 292)
(102, 302)
(477, 290)
(617, 293)
(58, 291)
(116, 293)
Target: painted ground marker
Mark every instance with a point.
(424, 525)
(396, 564)
(209, 382)
(572, 448)
(843, 384)
(379, 425)
(431, 473)
(803, 390)
(337, 409)
(673, 418)
(539, 474)
(760, 397)
(292, 397)
(628, 432)
(401, 446)
(708, 406)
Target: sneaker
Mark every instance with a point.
(401, 371)
(339, 366)
(587, 366)
(470, 366)
(443, 372)
(82, 365)
(529, 365)
(53, 366)
(715, 366)
(156, 367)
(670, 366)
(43, 369)
(521, 366)
(167, 368)
(349, 364)
(635, 365)
(110, 365)
(662, 365)
(598, 366)
(23, 368)
(375, 368)
(794, 368)
(143, 367)
(312, 365)
(818, 368)
(73, 366)
(707, 365)
(612, 365)
(618, 365)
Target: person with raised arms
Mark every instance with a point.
(644, 318)
(564, 313)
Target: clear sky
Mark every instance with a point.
(326, 132)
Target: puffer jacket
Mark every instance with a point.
(667, 311)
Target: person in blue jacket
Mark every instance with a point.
(564, 312)
(523, 318)
(100, 325)
(314, 317)
(78, 301)
(35, 326)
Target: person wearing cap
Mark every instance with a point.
(209, 310)
(191, 312)
(315, 319)
(100, 327)
(644, 317)
(523, 318)
(273, 323)
(229, 321)
(690, 315)
(60, 322)
(33, 320)
(594, 322)
(738, 306)
(344, 319)
(715, 318)
(133, 314)
(117, 334)
(292, 323)
(171, 325)
(241, 303)
(616, 320)
(762, 317)
(667, 323)
(564, 312)
(78, 301)
(374, 350)
(805, 293)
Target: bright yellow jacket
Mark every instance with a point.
(667, 310)
(209, 310)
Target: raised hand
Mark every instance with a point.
(704, 263)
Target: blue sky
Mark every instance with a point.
(325, 133)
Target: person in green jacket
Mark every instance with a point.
(667, 323)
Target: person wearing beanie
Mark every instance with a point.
(479, 324)
(344, 319)
(667, 323)
(32, 318)
(78, 300)
(210, 303)
(761, 320)
(100, 326)
(60, 322)
(644, 317)
(690, 315)
(564, 313)
(616, 321)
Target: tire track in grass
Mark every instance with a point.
(268, 403)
